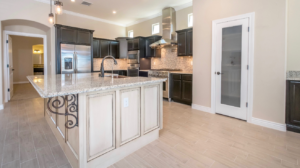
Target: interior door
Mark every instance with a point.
(231, 68)
(11, 68)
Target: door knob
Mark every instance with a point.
(218, 73)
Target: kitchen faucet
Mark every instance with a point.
(102, 66)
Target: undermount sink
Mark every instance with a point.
(120, 76)
(114, 75)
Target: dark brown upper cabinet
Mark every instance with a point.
(105, 47)
(137, 43)
(73, 35)
(293, 106)
(185, 42)
(152, 52)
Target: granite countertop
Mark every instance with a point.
(293, 75)
(181, 72)
(65, 84)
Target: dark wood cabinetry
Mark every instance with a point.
(185, 42)
(137, 43)
(71, 35)
(104, 47)
(182, 88)
(293, 106)
(143, 73)
(152, 52)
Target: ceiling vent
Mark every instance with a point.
(86, 3)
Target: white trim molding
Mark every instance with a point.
(268, 124)
(22, 82)
(251, 17)
(6, 59)
(1, 106)
(202, 108)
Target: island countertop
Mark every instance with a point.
(66, 84)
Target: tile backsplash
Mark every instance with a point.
(122, 64)
(293, 74)
(169, 59)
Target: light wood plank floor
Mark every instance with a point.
(190, 139)
(195, 139)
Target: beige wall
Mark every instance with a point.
(145, 28)
(269, 55)
(102, 29)
(293, 49)
(22, 56)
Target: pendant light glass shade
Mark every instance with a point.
(58, 7)
(51, 18)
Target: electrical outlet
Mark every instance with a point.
(126, 102)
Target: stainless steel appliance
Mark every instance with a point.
(163, 73)
(133, 61)
(75, 59)
(169, 36)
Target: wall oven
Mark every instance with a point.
(133, 57)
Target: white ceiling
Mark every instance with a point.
(128, 11)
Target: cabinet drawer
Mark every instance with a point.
(176, 76)
(187, 77)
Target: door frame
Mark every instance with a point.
(6, 57)
(251, 17)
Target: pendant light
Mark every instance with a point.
(58, 7)
(51, 16)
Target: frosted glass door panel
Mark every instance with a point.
(231, 66)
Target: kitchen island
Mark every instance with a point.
(100, 120)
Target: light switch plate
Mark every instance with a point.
(126, 102)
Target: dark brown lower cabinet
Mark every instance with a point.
(182, 88)
(293, 106)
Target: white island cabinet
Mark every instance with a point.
(99, 121)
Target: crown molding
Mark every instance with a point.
(85, 16)
(177, 8)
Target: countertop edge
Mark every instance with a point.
(92, 89)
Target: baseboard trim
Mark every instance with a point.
(1, 106)
(22, 82)
(268, 124)
(202, 108)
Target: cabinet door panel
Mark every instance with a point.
(294, 116)
(190, 42)
(104, 48)
(136, 44)
(151, 108)
(130, 45)
(176, 89)
(96, 49)
(83, 37)
(181, 44)
(130, 115)
(114, 49)
(101, 124)
(68, 35)
(187, 91)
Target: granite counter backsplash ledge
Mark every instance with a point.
(67, 84)
(293, 75)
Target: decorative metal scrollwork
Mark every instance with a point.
(70, 103)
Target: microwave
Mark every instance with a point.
(133, 57)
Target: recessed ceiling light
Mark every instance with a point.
(73, 0)
(114, 12)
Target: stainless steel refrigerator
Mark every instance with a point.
(75, 59)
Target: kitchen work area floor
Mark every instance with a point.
(190, 139)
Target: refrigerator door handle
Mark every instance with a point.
(75, 62)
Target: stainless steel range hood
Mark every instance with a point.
(169, 35)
